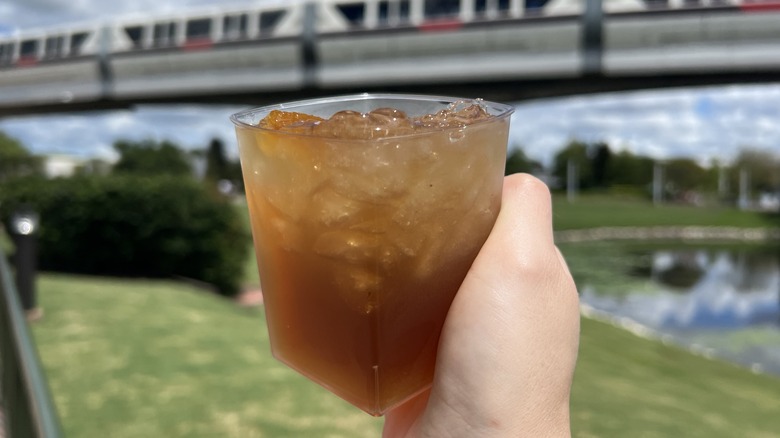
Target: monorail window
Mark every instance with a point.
(234, 26)
(353, 12)
(393, 11)
(269, 20)
(135, 33)
(439, 8)
(54, 47)
(6, 53)
(28, 49)
(657, 4)
(481, 6)
(692, 3)
(200, 28)
(535, 4)
(164, 34)
(77, 41)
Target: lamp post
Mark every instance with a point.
(23, 229)
(572, 180)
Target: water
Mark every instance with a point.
(721, 301)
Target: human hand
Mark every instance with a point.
(509, 345)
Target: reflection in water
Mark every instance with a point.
(725, 300)
(700, 289)
(681, 269)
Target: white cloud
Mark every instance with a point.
(92, 134)
(702, 123)
(661, 124)
(39, 13)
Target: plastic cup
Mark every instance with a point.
(362, 243)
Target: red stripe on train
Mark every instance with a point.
(760, 6)
(26, 61)
(440, 25)
(198, 44)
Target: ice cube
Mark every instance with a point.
(288, 121)
(457, 115)
(409, 244)
(442, 246)
(348, 125)
(424, 202)
(372, 173)
(389, 122)
(358, 287)
(353, 125)
(348, 245)
(390, 116)
(287, 235)
(331, 208)
(285, 203)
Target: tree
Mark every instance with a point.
(16, 161)
(151, 158)
(601, 157)
(575, 152)
(517, 161)
(762, 166)
(217, 166)
(683, 175)
(627, 169)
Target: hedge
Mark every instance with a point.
(135, 226)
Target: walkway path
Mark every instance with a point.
(251, 297)
(668, 233)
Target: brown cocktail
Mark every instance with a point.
(367, 211)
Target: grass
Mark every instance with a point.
(157, 358)
(5, 242)
(132, 358)
(627, 386)
(160, 359)
(588, 211)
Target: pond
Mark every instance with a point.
(719, 301)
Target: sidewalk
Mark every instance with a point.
(248, 298)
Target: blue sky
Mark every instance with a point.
(703, 123)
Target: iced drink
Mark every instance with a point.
(367, 211)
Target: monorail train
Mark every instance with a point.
(289, 45)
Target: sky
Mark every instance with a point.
(701, 123)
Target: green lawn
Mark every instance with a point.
(157, 358)
(5, 241)
(589, 211)
(627, 386)
(132, 358)
(161, 359)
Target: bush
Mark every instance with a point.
(128, 225)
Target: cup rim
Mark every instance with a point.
(503, 110)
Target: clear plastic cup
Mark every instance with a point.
(363, 242)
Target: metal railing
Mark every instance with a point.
(26, 406)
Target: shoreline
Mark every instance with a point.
(646, 332)
(684, 233)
